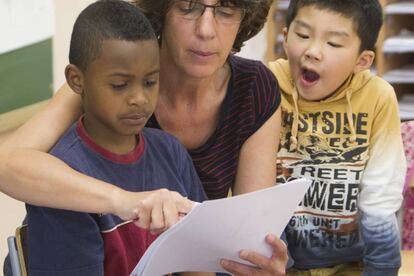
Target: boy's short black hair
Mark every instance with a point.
(366, 15)
(106, 20)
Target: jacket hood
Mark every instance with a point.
(352, 85)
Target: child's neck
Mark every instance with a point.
(108, 139)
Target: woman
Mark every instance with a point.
(223, 108)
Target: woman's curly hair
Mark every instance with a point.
(253, 21)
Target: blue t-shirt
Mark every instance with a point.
(64, 242)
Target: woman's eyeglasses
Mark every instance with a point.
(192, 10)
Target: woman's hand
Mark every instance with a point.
(276, 265)
(152, 210)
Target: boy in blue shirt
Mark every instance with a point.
(114, 66)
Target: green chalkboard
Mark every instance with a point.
(26, 76)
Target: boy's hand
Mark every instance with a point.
(152, 210)
(276, 265)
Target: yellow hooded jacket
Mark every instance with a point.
(350, 146)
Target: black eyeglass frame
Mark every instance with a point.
(214, 7)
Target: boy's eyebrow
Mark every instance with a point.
(338, 33)
(126, 75)
(302, 23)
(332, 33)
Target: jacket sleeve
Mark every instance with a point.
(381, 189)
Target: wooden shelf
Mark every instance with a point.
(276, 23)
(400, 75)
(402, 43)
(403, 7)
(395, 46)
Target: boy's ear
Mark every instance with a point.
(364, 61)
(74, 77)
(285, 34)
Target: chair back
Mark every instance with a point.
(18, 251)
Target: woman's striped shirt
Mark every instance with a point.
(252, 97)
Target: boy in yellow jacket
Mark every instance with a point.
(341, 129)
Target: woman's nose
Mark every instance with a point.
(206, 24)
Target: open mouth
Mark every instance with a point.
(309, 75)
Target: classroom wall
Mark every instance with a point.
(65, 12)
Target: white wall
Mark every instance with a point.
(256, 47)
(66, 13)
(25, 22)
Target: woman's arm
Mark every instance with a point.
(29, 174)
(26, 172)
(257, 164)
(257, 170)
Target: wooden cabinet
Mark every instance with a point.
(395, 46)
(276, 23)
(395, 52)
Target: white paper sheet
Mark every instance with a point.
(220, 228)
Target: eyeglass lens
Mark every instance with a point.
(194, 9)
